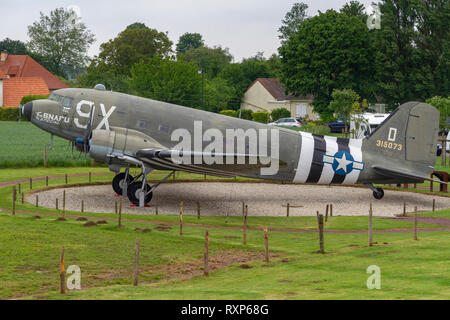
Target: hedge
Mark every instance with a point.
(26, 99)
(9, 114)
(280, 113)
(261, 116)
(246, 114)
(230, 113)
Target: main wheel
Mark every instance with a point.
(119, 181)
(134, 191)
(379, 194)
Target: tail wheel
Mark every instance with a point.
(134, 191)
(379, 194)
(119, 181)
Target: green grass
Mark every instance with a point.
(22, 145)
(29, 255)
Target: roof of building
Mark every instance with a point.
(15, 88)
(2, 75)
(276, 89)
(25, 66)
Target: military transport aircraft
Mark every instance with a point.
(122, 130)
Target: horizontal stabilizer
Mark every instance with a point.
(404, 174)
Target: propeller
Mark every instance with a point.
(83, 143)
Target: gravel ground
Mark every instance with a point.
(263, 199)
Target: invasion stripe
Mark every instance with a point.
(317, 161)
(343, 146)
(305, 159)
(328, 172)
(355, 149)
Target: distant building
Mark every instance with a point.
(267, 94)
(21, 75)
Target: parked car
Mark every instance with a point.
(286, 122)
(337, 126)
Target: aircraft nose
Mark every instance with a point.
(27, 110)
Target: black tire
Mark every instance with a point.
(379, 194)
(133, 193)
(118, 181)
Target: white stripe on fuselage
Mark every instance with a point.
(305, 159)
(327, 171)
(355, 150)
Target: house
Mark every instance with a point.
(267, 94)
(21, 75)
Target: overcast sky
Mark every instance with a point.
(243, 26)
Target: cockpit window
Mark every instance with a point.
(67, 102)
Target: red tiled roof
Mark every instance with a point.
(15, 88)
(2, 75)
(277, 90)
(25, 66)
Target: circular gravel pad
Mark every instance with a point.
(263, 199)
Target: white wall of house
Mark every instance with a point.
(257, 98)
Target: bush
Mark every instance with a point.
(27, 99)
(261, 116)
(9, 114)
(280, 113)
(230, 113)
(246, 114)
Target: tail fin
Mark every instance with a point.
(409, 134)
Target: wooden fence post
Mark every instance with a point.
(90, 177)
(198, 210)
(56, 204)
(181, 218)
(62, 287)
(206, 256)
(321, 241)
(82, 206)
(14, 201)
(46, 181)
(434, 205)
(326, 214)
(156, 209)
(136, 262)
(64, 203)
(404, 209)
(45, 156)
(245, 224)
(287, 209)
(370, 227)
(20, 187)
(37, 201)
(31, 183)
(23, 197)
(415, 223)
(266, 244)
(66, 178)
(331, 210)
(120, 212)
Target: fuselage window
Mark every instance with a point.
(67, 102)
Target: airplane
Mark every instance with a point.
(122, 130)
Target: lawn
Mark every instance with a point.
(171, 265)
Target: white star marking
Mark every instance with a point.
(343, 163)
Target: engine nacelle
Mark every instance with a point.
(106, 146)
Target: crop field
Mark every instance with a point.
(22, 145)
(171, 265)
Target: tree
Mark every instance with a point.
(189, 41)
(167, 80)
(218, 95)
(328, 51)
(280, 113)
(354, 9)
(63, 42)
(344, 102)
(443, 105)
(13, 46)
(292, 20)
(210, 60)
(137, 42)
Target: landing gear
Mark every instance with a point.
(378, 193)
(135, 190)
(118, 182)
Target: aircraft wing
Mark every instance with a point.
(403, 174)
(230, 164)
